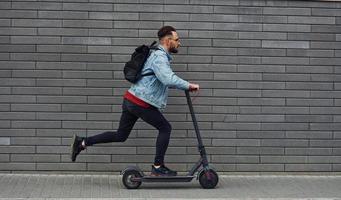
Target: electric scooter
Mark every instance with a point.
(133, 176)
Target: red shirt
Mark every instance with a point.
(136, 100)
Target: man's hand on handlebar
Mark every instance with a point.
(193, 87)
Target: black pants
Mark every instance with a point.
(130, 113)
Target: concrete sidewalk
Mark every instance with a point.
(43, 186)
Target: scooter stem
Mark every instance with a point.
(201, 147)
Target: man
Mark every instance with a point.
(144, 99)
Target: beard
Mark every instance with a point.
(173, 50)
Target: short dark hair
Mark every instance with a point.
(165, 31)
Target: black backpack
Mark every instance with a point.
(132, 68)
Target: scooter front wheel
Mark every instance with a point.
(208, 179)
(129, 179)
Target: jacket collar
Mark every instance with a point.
(167, 53)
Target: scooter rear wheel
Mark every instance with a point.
(128, 177)
(208, 179)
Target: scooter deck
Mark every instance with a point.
(166, 178)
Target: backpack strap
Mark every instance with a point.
(153, 47)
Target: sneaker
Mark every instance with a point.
(76, 147)
(162, 171)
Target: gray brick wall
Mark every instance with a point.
(269, 72)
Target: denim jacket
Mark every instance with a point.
(153, 89)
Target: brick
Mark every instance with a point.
(188, 9)
(5, 141)
(138, 8)
(285, 44)
(88, 6)
(15, 81)
(61, 48)
(4, 56)
(36, 107)
(87, 40)
(259, 85)
(325, 143)
(63, 14)
(170, 150)
(37, 90)
(236, 43)
(262, 35)
(61, 99)
(309, 102)
(36, 23)
(325, 126)
(191, 59)
(284, 143)
(260, 167)
(213, 18)
(17, 48)
(17, 132)
(311, 4)
(105, 167)
(4, 157)
(283, 159)
(261, 52)
(35, 57)
(87, 24)
(18, 115)
(163, 17)
(240, 10)
(237, 76)
(17, 149)
(61, 65)
(326, 28)
(5, 5)
(212, 34)
(85, 58)
(112, 150)
(34, 158)
(308, 118)
(325, 12)
(286, 11)
(235, 159)
(236, 126)
(88, 158)
(286, 28)
(62, 31)
(285, 60)
(137, 24)
(311, 36)
(17, 31)
(87, 124)
(61, 116)
(236, 93)
(37, 5)
(237, 27)
(310, 53)
(311, 20)
(17, 166)
(61, 166)
(308, 151)
(212, 51)
(37, 73)
(311, 86)
(61, 82)
(110, 49)
(260, 150)
(261, 101)
(36, 124)
(52, 149)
